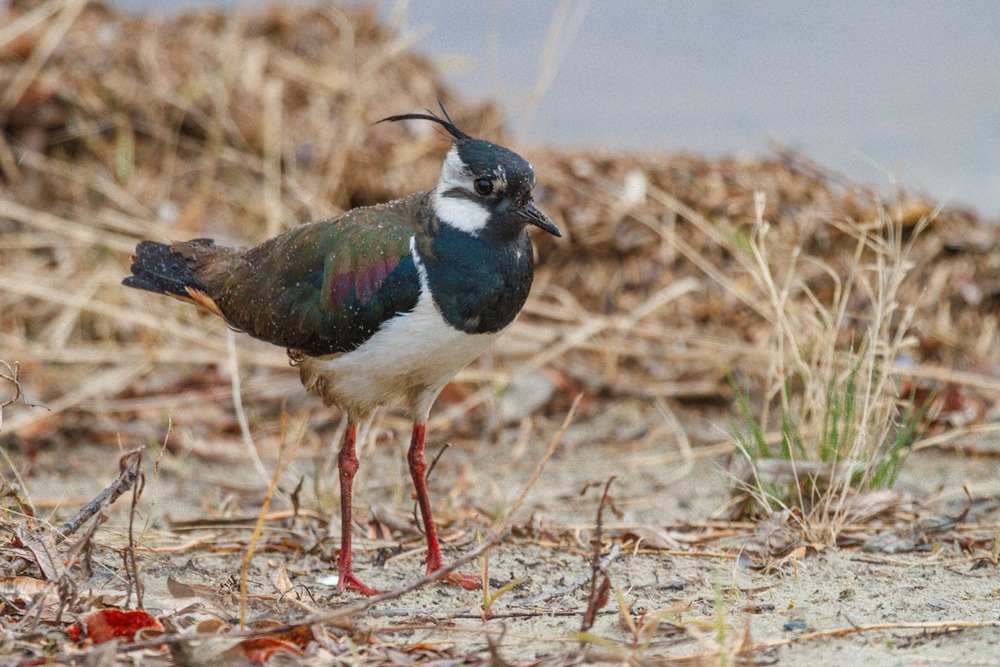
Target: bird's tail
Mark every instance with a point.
(160, 268)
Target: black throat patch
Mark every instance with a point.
(478, 283)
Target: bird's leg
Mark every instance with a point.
(347, 462)
(418, 471)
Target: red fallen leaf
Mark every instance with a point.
(104, 625)
(261, 649)
(300, 636)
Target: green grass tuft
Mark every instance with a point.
(831, 421)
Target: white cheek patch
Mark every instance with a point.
(461, 213)
(458, 212)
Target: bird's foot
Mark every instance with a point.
(348, 580)
(472, 582)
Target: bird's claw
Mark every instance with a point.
(348, 580)
(470, 582)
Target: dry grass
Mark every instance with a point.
(832, 378)
(237, 126)
(194, 119)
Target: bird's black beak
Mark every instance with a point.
(534, 216)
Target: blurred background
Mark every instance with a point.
(905, 92)
(732, 324)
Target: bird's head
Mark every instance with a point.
(484, 187)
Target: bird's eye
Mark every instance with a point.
(484, 186)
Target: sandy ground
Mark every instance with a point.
(684, 588)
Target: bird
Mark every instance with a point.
(381, 304)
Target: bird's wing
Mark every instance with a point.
(321, 288)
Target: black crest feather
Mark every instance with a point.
(446, 122)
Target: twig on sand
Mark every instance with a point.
(128, 554)
(616, 551)
(598, 565)
(126, 479)
(129, 467)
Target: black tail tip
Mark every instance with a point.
(157, 268)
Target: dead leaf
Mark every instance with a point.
(751, 560)
(300, 636)
(24, 590)
(104, 625)
(654, 537)
(199, 652)
(43, 549)
(776, 535)
(912, 534)
(213, 626)
(179, 589)
(260, 649)
(908, 537)
(282, 582)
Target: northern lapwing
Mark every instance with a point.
(380, 304)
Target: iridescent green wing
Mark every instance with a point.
(323, 287)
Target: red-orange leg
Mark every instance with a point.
(347, 462)
(418, 471)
